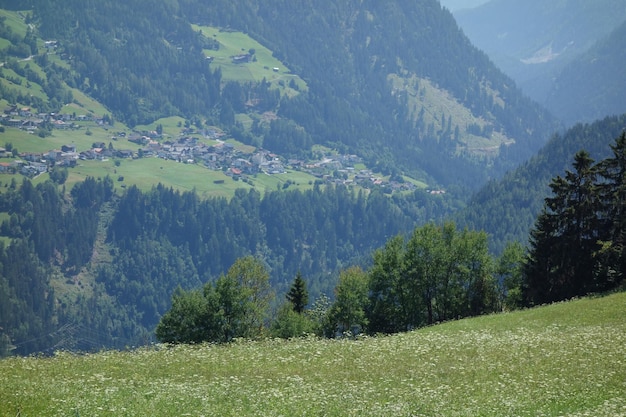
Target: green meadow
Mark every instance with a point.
(565, 359)
(15, 21)
(263, 66)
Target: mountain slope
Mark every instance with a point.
(533, 41)
(507, 209)
(592, 85)
(363, 96)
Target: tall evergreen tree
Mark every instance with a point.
(298, 295)
(561, 262)
(613, 197)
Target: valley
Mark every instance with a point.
(170, 173)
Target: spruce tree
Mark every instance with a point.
(565, 240)
(298, 295)
(613, 197)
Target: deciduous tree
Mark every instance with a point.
(348, 311)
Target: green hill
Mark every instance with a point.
(564, 359)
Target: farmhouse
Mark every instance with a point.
(241, 59)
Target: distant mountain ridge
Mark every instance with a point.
(593, 85)
(534, 41)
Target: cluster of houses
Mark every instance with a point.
(32, 164)
(225, 157)
(24, 118)
(222, 156)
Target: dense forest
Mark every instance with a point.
(507, 209)
(438, 273)
(84, 267)
(123, 256)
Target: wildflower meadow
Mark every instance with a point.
(565, 359)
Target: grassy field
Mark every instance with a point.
(265, 66)
(561, 360)
(15, 21)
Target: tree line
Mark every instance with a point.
(438, 273)
(115, 260)
(578, 243)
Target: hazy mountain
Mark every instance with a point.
(593, 85)
(533, 41)
(455, 5)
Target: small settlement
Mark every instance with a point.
(188, 148)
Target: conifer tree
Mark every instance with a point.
(565, 240)
(613, 198)
(298, 295)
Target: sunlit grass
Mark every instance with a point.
(85, 105)
(562, 360)
(172, 126)
(15, 21)
(234, 43)
(148, 172)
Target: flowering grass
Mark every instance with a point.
(565, 359)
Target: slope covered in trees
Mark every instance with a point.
(115, 261)
(506, 209)
(432, 106)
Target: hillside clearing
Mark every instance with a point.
(565, 359)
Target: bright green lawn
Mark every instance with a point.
(562, 360)
(83, 104)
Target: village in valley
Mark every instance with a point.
(206, 147)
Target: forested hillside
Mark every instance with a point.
(506, 209)
(432, 106)
(90, 269)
